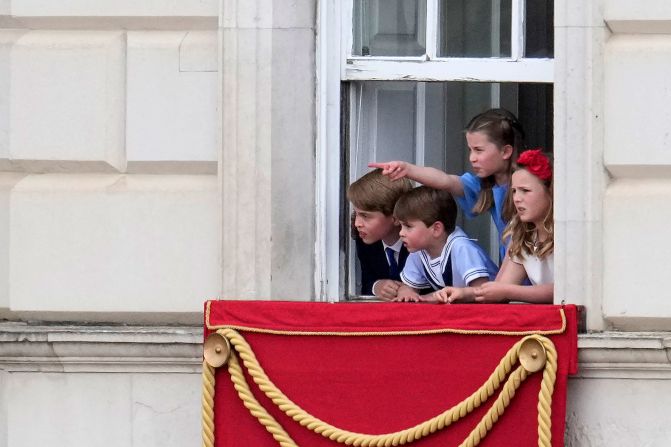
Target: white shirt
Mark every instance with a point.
(539, 271)
(469, 262)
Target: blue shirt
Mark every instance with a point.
(472, 188)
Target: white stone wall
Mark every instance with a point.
(612, 194)
(152, 155)
(267, 164)
(612, 138)
(102, 386)
(621, 391)
(109, 149)
(581, 179)
(637, 154)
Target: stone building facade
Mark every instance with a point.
(157, 154)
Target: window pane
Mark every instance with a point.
(423, 122)
(389, 27)
(385, 124)
(475, 28)
(539, 34)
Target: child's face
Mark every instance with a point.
(416, 235)
(374, 226)
(530, 196)
(486, 157)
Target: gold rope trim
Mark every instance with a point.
(560, 330)
(208, 405)
(404, 436)
(253, 405)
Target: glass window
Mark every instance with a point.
(475, 28)
(389, 27)
(539, 30)
(423, 122)
(413, 73)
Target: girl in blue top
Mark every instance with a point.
(494, 138)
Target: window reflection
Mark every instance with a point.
(539, 33)
(389, 27)
(475, 28)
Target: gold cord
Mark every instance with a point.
(208, 405)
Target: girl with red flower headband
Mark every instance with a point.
(531, 233)
(494, 138)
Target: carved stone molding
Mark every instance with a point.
(59, 348)
(62, 348)
(625, 355)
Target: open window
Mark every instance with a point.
(413, 73)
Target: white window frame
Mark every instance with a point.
(335, 37)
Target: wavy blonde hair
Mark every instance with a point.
(522, 234)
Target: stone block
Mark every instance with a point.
(247, 83)
(579, 123)
(8, 38)
(67, 97)
(172, 99)
(68, 410)
(198, 52)
(649, 17)
(294, 14)
(247, 14)
(163, 419)
(114, 8)
(578, 13)
(293, 142)
(636, 250)
(7, 182)
(637, 113)
(114, 243)
(601, 414)
(269, 14)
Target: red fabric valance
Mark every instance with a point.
(381, 367)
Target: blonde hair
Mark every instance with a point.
(501, 128)
(377, 192)
(522, 234)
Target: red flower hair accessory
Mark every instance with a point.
(536, 162)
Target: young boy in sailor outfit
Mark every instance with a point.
(441, 254)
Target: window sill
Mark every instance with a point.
(128, 349)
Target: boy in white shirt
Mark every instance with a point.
(441, 255)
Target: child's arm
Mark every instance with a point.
(435, 178)
(507, 286)
(451, 295)
(387, 289)
(407, 294)
(494, 292)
